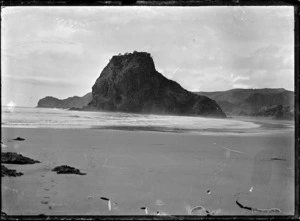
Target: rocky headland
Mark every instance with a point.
(130, 83)
(71, 102)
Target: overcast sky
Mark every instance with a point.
(61, 51)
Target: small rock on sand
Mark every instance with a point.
(64, 169)
(19, 139)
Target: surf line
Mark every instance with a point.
(236, 151)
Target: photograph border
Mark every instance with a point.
(197, 3)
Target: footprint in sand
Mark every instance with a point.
(44, 202)
(159, 203)
(91, 162)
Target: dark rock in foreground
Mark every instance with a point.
(14, 158)
(8, 172)
(130, 83)
(19, 139)
(64, 169)
(71, 102)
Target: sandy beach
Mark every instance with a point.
(166, 172)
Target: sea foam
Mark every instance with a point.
(27, 117)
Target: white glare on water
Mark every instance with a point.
(11, 106)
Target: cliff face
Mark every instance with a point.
(130, 83)
(277, 102)
(71, 102)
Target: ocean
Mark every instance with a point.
(30, 117)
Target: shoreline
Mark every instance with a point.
(262, 128)
(228, 116)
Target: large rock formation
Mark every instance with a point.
(71, 102)
(277, 103)
(130, 83)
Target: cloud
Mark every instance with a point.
(53, 45)
(269, 66)
(241, 78)
(40, 81)
(265, 79)
(240, 85)
(266, 58)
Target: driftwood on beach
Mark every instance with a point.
(271, 210)
(279, 159)
(15, 158)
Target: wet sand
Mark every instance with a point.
(166, 172)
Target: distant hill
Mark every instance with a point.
(276, 111)
(130, 83)
(277, 103)
(71, 102)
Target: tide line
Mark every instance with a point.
(226, 148)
